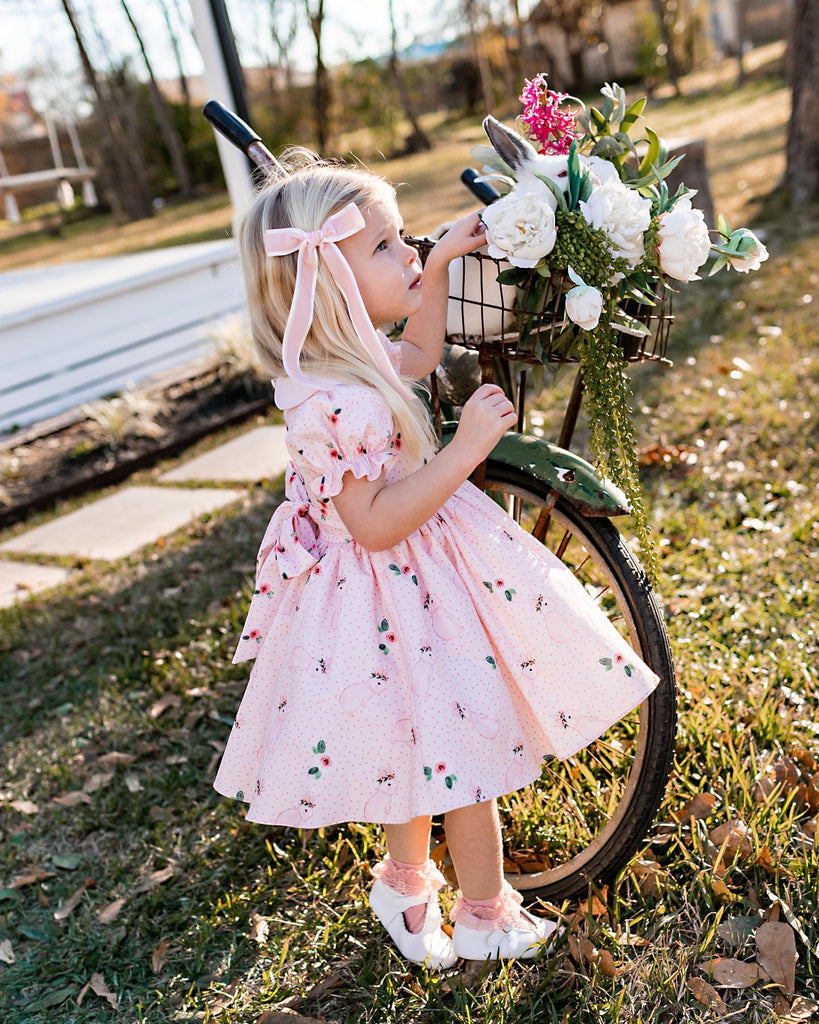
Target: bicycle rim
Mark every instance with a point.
(586, 816)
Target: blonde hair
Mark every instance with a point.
(313, 191)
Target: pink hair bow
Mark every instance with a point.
(282, 241)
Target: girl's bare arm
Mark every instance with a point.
(423, 338)
(380, 515)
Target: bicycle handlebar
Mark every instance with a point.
(480, 189)
(241, 135)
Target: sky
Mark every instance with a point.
(36, 31)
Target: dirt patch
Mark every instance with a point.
(73, 459)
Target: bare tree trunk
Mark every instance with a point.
(670, 58)
(418, 140)
(177, 53)
(802, 174)
(522, 57)
(170, 135)
(471, 9)
(135, 194)
(321, 87)
(284, 41)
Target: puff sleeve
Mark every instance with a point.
(347, 429)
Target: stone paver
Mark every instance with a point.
(259, 454)
(20, 579)
(123, 522)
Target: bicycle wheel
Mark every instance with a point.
(586, 816)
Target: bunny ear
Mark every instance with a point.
(510, 147)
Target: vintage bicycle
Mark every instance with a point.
(585, 818)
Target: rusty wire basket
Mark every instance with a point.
(528, 323)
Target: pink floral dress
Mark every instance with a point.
(411, 681)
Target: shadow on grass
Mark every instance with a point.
(116, 696)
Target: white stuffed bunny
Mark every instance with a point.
(487, 307)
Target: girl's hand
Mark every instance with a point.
(485, 418)
(465, 235)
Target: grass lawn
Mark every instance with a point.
(121, 868)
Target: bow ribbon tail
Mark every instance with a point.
(301, 313)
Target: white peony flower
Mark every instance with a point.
(584, 306)
(520, 227)
(749, 253)
(684, 241)
(622, 213)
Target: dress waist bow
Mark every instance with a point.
(293, 537)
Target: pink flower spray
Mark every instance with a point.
(552, 128)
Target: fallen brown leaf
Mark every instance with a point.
(729, 973)
(32, 875)
(706, 994)
(776, 953)
(258, 929)
(731, 839)
(606, 964)
(800, 1009)
(170, 700)
(68, 906)
(115, 757)
(647, 869)
(98, 987)
(595, 906)
(699, 806)
(110, 913)
(159, 956)
(588, 951)
(25, 806)
(7, 952)
(155, 878)
(99, 780)
(287, 1017)
(72, 799)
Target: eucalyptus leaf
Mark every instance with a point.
(633, 111)
(652, 154)
(512, 275)
(556, 191)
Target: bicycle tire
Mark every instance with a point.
(642, 744)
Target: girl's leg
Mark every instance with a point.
(409, 842)
(473, 838)
(408, 847)
(489, 920)
(404, 896)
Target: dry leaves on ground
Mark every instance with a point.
(155, 878)
(258, 929)
(25, 806)
(98, 987)
(160, 956)
(776, 953)
(109, 913)
(72, 798)
(706, 994)
(33, 875)
(67, 907)
(170, 700)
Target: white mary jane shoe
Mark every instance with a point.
(430, 946)
(511, 943)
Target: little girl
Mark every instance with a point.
(404, 663)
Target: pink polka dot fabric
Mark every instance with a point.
(411, 681)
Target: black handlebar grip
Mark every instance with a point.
(480, 189)
(232, 127)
